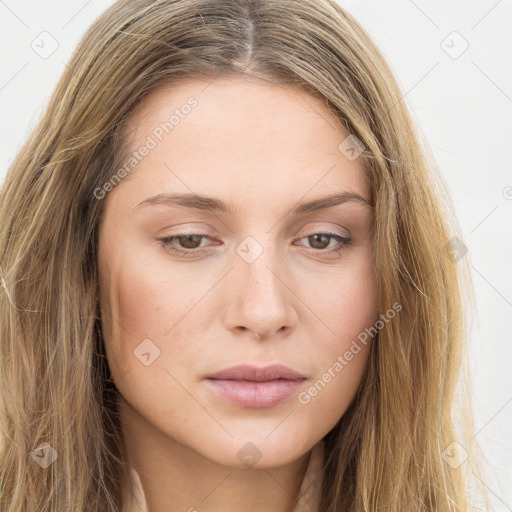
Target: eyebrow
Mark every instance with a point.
(217, 205)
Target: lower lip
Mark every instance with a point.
(256, 395)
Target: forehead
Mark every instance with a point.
(240, 134)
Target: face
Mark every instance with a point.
(190, 288)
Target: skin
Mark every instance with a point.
(294, 304)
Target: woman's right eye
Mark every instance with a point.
(189, 241)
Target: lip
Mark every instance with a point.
(253, 387)
(254, 373)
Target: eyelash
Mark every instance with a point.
(166, 241)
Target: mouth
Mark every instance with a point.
(252, 387)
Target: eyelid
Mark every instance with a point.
(310, 232)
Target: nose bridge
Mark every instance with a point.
(260, 275)
(260, 278)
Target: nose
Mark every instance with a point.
(260, 298)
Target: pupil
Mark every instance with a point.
(317, 239)
(189, 241)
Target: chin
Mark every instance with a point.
(259, 450)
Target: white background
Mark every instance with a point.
(463, 105)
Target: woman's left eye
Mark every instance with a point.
(320, 238)
(190, 243)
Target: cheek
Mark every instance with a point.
(349, 307)
(152, 307)
(345, 302)
(330, 393)
(331, 390)
(138, 308)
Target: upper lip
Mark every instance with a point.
(254, 373)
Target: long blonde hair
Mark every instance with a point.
(388, 451)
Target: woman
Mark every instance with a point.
(229, 278)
